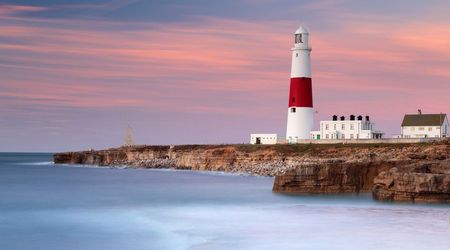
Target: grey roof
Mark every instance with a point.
(424, 120)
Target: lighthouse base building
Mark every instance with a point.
(355, 128)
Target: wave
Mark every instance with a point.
(90, 166)
(43, 163)
(203, 172)
(78, 165)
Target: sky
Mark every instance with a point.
(75, 74)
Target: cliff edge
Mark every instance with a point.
(403, 172)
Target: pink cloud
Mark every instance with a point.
(9, 10)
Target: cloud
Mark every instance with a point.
(11, 10)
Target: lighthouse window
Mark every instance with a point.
(298, 38)
(293, 99)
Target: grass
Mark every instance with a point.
(279, 148)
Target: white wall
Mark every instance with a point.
(265, 138)
(301, 58)
(299, 124)
(371, 141)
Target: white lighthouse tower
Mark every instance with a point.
(300, 112)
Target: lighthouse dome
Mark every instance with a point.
(301, 30)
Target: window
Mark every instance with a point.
(327, 127)
(343, 136)
(296, 54)
(413, 129)
(430, 129)
(293, 99)
(334, 126)
(298, 38)
(351, 136)
(421, 129)
(327, 136)
(357, 136)
(343, 126)
(292, 110)
(352, 126)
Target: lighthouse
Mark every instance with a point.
(300, 112)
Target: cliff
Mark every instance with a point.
(408, 172)
(252, 159)
(414, 173)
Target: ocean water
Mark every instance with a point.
(47, 206)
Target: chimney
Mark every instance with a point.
(367, 118)
(352, 117)
(335, 117)
(419, 111)
(342, 118)
(360, 117)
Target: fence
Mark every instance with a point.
(370, 141)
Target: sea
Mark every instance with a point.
(47, 206)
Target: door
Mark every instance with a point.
(258, 140)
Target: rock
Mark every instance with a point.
(329, 178)
(394, 185)
(417, 156)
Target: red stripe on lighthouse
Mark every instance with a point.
(300, 94)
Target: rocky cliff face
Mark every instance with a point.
(414, 172)
(340, 177)
(422, 182)
(259, 160)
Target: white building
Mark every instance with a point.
(263, 138)
(341, 129)
(425, 126)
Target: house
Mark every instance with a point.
(342, 129)
(263, 138)
(424, 126)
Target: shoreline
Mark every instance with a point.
(120, 167)
(417, 172)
